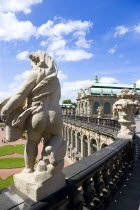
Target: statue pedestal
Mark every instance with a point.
(38, 190)
(125, 131)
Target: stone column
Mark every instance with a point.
(90, 108)
(82, 146)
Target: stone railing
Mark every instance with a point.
(92, 181)
(109, 123)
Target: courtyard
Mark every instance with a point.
(12, 159)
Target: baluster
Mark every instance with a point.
(89, 191)
(99, 185)
(111, 176)
(76, 201)
(106, 179)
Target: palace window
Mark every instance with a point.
(85, 147)
(106, 108)
(96, 105)
(73, 136)
(93, 146)
(86, 109)
(69, 136)
(79, 142)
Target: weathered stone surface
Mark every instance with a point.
(125, 109)
(35, 108)
(35, 190)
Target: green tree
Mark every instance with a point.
(68, 101)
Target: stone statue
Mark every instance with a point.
(124, 109)
(35, 108)
(100, 111)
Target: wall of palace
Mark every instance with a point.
(87, 106)
(82, 141)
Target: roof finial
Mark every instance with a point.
(96, 79)
(134, 85)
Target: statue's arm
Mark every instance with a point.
(17, 100)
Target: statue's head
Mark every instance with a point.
(42, 60)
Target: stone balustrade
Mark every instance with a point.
(91, 182)
(101, 121)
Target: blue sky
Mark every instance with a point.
(86, 38)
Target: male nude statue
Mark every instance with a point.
(35, 108)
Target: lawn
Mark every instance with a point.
(2, 124)
(11, 149)
(6, 182)
(11, 163)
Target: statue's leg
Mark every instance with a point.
(31, 151)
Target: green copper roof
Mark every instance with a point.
(68, 106)
(109, 89)
(122, 86)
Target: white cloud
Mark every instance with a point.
(71, 89)
(109, 80)
(11, 28)
(22, 76)
(22, 55)
(63, 28)
(72, 55)
(56, 44)
(66, 40)
(138, 82)
(112, 50)
(43, 43)
(18, 80)
(17, 5)
(120, 30)
(62, 76)
(137, 28)
(14, 86)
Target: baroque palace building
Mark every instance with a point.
(100, 95)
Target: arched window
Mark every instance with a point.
(69, 136)
(106, 108)
(66, 133)
(73, 138)
(103, 145)
(79, 142)
(93, 145)
(86, 109)
(82, 108)
(79, 110)
(85, 146)
(96, 105)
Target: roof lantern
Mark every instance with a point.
(96, 79)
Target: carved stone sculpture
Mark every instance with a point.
(35, 108)
(100, 111)
(124, 109)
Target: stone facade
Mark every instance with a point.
(103, 95)
(82, 142)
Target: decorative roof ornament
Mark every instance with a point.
(126, 94)
(101, 92)
(88, 91)
(124, 109)
(96, 79)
